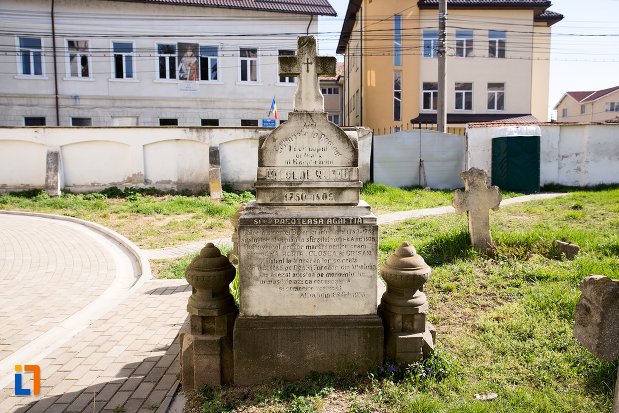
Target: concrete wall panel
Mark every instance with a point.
(22, 165)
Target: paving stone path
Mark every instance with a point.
(69, 301)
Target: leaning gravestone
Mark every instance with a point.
(477, 199)
(596, 324)
(307, 246)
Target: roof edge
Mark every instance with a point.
(349, 22)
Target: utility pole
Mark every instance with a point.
(441, 110)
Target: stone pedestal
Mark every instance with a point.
(292, 347)
(206, 338)
(408, 336)
(308, 292)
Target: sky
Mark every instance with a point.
(585, 44)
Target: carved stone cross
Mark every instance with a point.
(477, 199)
(307, 98)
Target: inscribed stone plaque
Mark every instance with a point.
(308, 161)
(315, 264)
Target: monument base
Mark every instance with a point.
(206, 359)
(292, 347)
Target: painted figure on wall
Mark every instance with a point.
(188, 69)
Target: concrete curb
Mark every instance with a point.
(144, 272)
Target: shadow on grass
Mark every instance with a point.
(601, 377)
(447, 248)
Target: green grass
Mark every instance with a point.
(149, 218)
(504, 321)
(385, 198)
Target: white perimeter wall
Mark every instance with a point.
(572, 155)
(165, 158)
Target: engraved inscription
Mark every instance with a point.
(305, 148)
(309, 174)
(309, 268)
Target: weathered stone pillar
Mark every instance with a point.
(596, 323)
(403, 308)
(206, 339)
(214, 173)
(52, 172)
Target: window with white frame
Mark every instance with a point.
(464, 43)
(123, 60)
(166, 56)
(248, 65)
(564, 112)
(335, 119)
(286, 79)
(612, 107)
(30, 56)
(430, 43)
(397, 40)
(429, 96)
(464, 96)
(583, 109)
(208, 63)
(496, 43)
(79, 58)
(397, 95)
(496, 96)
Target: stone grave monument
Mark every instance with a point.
(596, 324)
(307, 246)
(476, 200)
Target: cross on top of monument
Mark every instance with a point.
(477, 199)
(307, 67)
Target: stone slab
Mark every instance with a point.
(295, 261)
(316, 194)
(596, 324)
(291, 347)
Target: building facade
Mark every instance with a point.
(331, 88)
(497, 62)
(148, 62)
(589, 106)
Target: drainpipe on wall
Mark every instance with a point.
(55, 65)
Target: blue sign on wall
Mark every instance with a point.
(268, 123)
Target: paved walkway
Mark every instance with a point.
(77, 299)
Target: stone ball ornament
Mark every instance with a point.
(405, 272)
(210, 274)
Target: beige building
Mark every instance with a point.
(497, 62)
(589, 106)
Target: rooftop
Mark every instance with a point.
(310, 7)
(591, 95)
(539, 7)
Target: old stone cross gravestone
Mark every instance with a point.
(477, 199)
(307, 67)
(307, 247)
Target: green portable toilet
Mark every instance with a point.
(516, 163)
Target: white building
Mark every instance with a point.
(148, 62)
